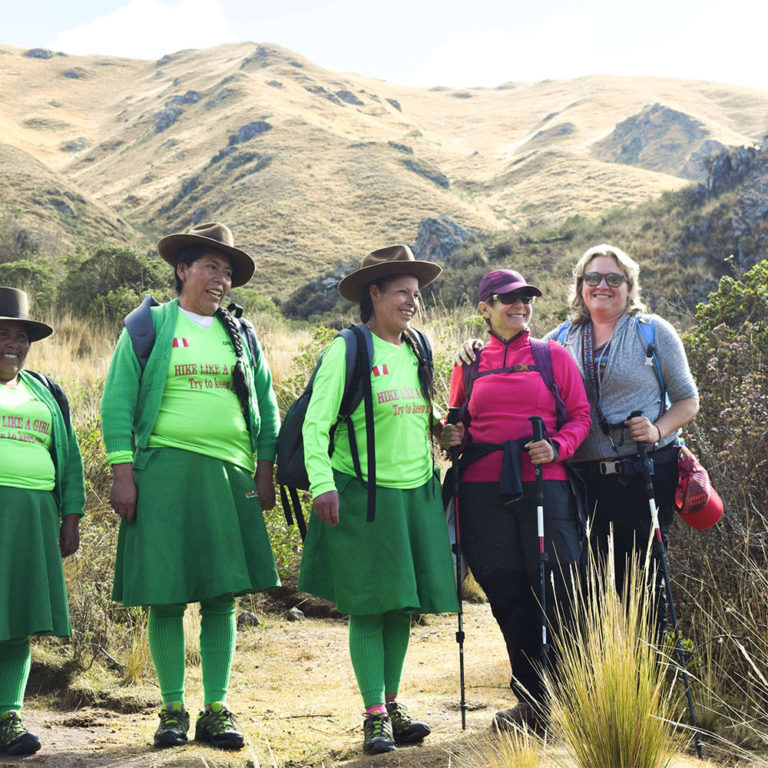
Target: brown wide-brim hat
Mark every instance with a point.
(219, 238)
(14, 305)
(392, 260)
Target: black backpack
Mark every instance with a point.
(58, 395)
(291, 470)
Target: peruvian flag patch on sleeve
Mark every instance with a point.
(379, 370)
(180, 343)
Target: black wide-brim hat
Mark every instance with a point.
(14, 305)
(392, 260)
(219, 238)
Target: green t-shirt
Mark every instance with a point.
(400, 419)
(200, 411)
(25, 440)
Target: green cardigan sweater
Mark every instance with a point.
(132, 398)
(69, 488)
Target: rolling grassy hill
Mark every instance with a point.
(311, 167)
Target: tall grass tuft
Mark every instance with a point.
(608, 697)
(518, 748)
(137, 656)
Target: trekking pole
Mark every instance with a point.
(538, 434)
(453, 418)
(658, 545)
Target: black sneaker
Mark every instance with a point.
(404, 729)
(377, 734)
(174, 724)
(217, 726)
(523, 715)
(15, 739)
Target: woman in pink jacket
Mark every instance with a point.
(511, 380)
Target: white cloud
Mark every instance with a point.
(148, 29)
(553, 47)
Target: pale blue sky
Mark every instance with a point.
(428, 42)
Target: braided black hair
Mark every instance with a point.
(239, 380)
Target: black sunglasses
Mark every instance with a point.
(512, 297)
(612, 279)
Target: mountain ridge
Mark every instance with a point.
(313, 168)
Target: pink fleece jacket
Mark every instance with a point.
(501, 404)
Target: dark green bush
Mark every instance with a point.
(111, 281)
(34, 277)
(720, 573)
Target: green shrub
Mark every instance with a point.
(254, 303)
(111, 282)
(719, 574)
(34, 277)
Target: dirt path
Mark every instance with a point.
(295, 693)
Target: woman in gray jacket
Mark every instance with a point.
(609, 337)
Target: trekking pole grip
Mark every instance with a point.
(537, 425)
(642, 447)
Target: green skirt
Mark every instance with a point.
(199, 533)
(400, 562)
(33, 596)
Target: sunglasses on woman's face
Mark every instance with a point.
(513, 297)
(612, 279)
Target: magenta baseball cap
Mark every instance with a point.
(504, 281)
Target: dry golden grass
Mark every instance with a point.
(608, 697)
(505, 749)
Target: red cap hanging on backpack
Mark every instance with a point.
(697, 502)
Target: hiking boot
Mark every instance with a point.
(174, 724)
(15, 739)
(522, 715)
(377, 734)
(404, 729)
(218, 727)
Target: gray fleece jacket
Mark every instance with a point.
(629, 384)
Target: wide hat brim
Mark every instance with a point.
(35, 329)
(402, 263)
(243, 265)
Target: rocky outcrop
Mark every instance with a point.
(165, 118)
(248, 131)
(76, 145)
(728, 169)
(349, 98)
(657, 138)
(39, 53)
(734, 228)
(438, 238)
(190, 97)
(428, 171)
(696, 167)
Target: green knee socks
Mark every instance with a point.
(377, 646)
(15, 661)
(217, 646)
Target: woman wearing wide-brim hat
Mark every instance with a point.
(42, 493)
(184, 433)
(383, 571)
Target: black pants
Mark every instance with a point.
(501, 545)
(621, 503)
